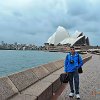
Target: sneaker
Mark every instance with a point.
(77, 96)
(71, 94)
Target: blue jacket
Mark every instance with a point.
(77, 62)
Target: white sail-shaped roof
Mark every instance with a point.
(76, 34)
(77, 39)
(71, 40)
(60, 34)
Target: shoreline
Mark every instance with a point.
(15, 61)
(27, 68)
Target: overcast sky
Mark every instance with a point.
(34, 21)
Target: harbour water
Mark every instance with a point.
(12, 61)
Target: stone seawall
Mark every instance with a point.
(33, 84)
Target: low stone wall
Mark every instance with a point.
(7, 88)
(86, 59)
(33, 84)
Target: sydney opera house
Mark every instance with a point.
(62, 37)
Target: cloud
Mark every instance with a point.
(33, 21)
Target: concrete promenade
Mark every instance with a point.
(89, 81)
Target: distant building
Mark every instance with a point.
(62, 37)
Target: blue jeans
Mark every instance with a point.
(75, 76)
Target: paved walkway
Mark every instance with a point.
(89, 81)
